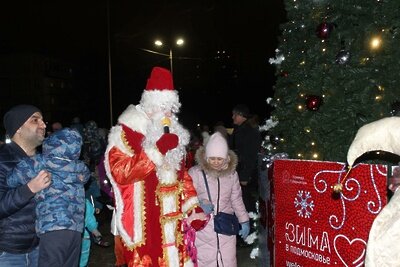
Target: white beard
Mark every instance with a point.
(155, 130)
(151, 127)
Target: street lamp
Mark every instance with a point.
(178, 42)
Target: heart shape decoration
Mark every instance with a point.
(350, 252)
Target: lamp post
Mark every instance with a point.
(109, 64)
(178, 42)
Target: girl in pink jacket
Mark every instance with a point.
(218, 163)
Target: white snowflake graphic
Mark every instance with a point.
(304, 204)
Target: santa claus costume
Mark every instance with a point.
(153, 192)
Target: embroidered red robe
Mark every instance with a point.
(150, 204)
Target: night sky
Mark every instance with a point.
(224, 61)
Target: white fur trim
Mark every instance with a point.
(113, 225)
(190, 203)
(154, 155)
(169, 203)
(167, 176)
(138, 211)
(135, 119)
(188, 263)
(173, 256)
(155, 100)
(170, 238)
(114, 139)
(169, 231)
(118, 199)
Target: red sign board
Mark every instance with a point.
(316, 227)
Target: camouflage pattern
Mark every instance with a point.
(61, 206)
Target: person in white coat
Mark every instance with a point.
(219, 166)
(383, 247)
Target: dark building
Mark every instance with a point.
(61, 89)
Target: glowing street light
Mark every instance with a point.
(178, 42)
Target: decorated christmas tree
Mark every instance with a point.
(337, 68)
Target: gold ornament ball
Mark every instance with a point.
(338, 188)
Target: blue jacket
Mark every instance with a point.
(90, 220)
(17, 206)
(61, 206)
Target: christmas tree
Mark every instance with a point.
(337, 69)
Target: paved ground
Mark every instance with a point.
(104, 257)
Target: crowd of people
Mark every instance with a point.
(164, 184)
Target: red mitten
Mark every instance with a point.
(133, 138)
(198, 225)
(198, 219)
(167, 142)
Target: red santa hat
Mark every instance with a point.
(159, 93)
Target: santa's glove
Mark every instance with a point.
(133, 138)
(197, 219)
(245, 229)
(207, 207)
(167, 142)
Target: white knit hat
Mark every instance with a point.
(217, 146)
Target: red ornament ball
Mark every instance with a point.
(313, 102)
(324, 30)
(284, 73)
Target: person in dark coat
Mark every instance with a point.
(245, 141)
(60, 209)
(18, 240)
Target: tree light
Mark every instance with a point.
(376, 42)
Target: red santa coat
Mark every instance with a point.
(153, 194)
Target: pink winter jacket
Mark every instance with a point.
(230, 201)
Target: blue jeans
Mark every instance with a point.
(19, 260)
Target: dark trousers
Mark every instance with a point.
(61, 248)
(250, 195)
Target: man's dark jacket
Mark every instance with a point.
(17, 206)
(246, 142)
